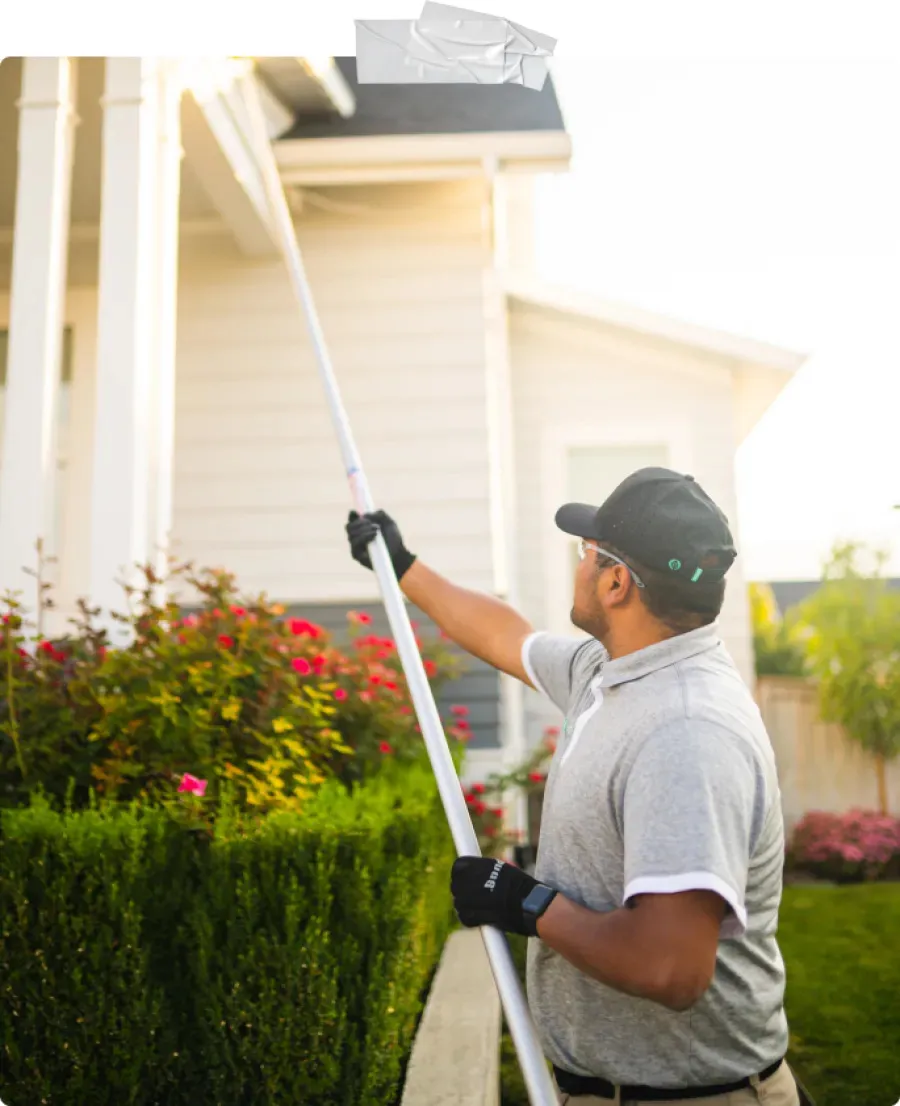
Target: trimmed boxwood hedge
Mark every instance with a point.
(284, 961)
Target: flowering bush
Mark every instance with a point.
(485, 800)
(859, 845)
(235, 694)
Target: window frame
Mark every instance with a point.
(556, 445)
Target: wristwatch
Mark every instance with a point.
(536, 902)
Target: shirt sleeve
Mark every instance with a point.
(693, 805)
(548, 660)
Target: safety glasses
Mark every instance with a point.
(584, 546)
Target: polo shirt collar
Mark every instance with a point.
(644, 662)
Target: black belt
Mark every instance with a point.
(594, 1086)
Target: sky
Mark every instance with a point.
(760, 197)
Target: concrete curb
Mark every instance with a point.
(456, 1054)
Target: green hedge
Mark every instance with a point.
(145, 963)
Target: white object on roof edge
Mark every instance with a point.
(450, 45)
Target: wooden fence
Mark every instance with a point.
(819, 768)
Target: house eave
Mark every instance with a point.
(374, 159)
(736, 349)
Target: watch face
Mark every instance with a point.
(538, 900)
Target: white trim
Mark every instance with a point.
(532, 290)
(331, 80)
(583, 719)
(733, 925)
(424, 173)
(526, 662)
(224, 157)
(557, 440)
(547, 151)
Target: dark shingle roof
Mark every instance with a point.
(788, 593)
(436, 109)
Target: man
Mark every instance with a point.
(656, 976)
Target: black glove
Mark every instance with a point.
(361, 530)
(488, 892)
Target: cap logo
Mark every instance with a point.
(675, 564)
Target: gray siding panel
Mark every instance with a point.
(478, 688)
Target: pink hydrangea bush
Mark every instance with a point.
(859, 845)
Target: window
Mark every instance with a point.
(593, 472)
(63, 417)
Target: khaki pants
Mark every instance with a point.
(778, 1090)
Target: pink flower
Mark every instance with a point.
(238, 612)
(300, 627)
(191, 622)
(225, 641)
(301, 666)
(47, 647)
(385, 748)
(366, 696)
(340, 694)
(389, 685)
(430, 668)
(192, 785)
(360, 617)
(460, 712)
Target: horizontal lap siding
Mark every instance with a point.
(568, 372)
(259, 482)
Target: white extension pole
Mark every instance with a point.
(534, 1068)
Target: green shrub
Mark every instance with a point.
(282, 960)
(233, 692)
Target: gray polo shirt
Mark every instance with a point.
(664, 780)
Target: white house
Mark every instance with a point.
(159, 389)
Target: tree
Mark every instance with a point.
(776, 646)
(851, 627)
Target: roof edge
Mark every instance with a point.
(546, 151)
(741, 350)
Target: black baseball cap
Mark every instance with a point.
(661, 519)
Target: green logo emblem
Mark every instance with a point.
(675, 564)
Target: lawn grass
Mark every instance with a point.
(841, 946)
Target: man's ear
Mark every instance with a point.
(619, 587)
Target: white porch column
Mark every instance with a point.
(40, 246)
(128, 328)
(162, 443)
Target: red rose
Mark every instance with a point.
(389, 685)
(340, 694)
(225, 641)
(238, 612)
(460, 711)
(47, 647)
(478, 788)
(301, 666)
(536, 777)
(385, 748)
(430, 668)
(479, 807)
